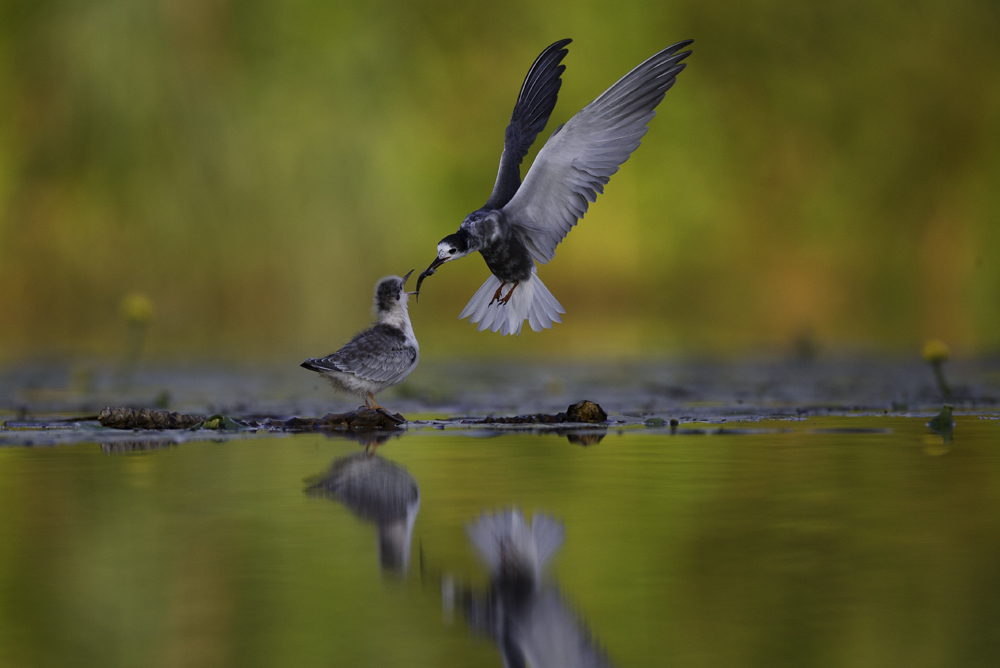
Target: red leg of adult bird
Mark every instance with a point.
(496, 296)
(507, 298)
(374, 405)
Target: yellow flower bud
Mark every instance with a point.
(137, 308)
(935, 351)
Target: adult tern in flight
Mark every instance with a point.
(522, 223)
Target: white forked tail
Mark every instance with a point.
(531, 301)
(509, 546)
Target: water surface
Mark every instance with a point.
(847, 541)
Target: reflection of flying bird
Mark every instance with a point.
(522, 224)
(379, 491)
(529, 621)
(382, 355)
(511, 549)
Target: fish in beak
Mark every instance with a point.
(431, 270)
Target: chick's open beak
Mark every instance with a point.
(405, 279)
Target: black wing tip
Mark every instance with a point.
(551, 56)
(674, 48)
(667, 56)
(312, 365)
(535, 101)
(558, 44)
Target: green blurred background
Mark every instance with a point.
(822, 171)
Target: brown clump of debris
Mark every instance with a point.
(360, 419)
(586, 411)
(146, 418)
(582, 411)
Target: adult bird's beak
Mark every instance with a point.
(438, 261)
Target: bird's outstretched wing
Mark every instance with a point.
(534, 105)
(377, 354)
(580, 157)
(548, 632)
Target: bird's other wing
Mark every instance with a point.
(377, 354)
(548, 632)
(534, 105)
(580, 157)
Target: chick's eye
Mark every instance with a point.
(451, 250)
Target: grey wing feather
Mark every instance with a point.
(580, 157)
(375, 354)
(550, 633)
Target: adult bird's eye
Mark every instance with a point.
(451, 250)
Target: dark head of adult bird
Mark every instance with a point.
(451, 247)
(521, 224)
(474, 235)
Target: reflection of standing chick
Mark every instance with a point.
(378, 491)
(382, 355)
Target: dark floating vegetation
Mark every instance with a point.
(380, 418)
(366, 418)
(149, 418)
(582, 411)
(170, 406)
(146, 418)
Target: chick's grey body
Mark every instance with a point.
(380, 356)
(522, 223)
(378, 491)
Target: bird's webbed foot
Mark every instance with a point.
(507, 298)
(496, 295)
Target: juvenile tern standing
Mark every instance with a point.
(382, 355)
(379, 491)
(522, 224)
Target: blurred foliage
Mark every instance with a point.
(255, 167)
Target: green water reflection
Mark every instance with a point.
(800, 547)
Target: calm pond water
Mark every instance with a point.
(844, 541)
